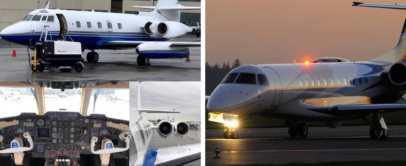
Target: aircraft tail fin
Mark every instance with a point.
(169, 10)
(397, 53)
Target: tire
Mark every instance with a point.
(197, 35)
(89, 57)
(234, 134)
(303, 130)
(375, 131)
(193, 31)
(79, 67)
(225, 134)
(293, 131)
(142, 61)
(385, 134)
(95, 57)
(41, 68)
(32, 68)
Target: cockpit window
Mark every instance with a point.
(27, 18)
(246, 78)
(50, 18)
(36, 18)
(263, 80)
(230, 78)
(44, 18)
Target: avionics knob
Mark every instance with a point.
(54, 141)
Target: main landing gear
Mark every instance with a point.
(378, 129)
(230, 133)
(142, 61)
(297, 129)
(92, 56)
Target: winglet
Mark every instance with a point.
(47, 6)
(357, 3)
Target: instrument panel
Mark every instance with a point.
(65, 134)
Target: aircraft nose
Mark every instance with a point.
(222, 99)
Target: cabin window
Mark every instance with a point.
(263, 80)
(300, 82)
(109, 25)
(345, 81)
(312, 80)
(366, 80)
(331, 81)
(89, 25)
(119, 26)
(99, 24)
(246, 78)
(27, 18)
(325, 82)
(360, 80)
(306, 82)
(50, 18)
(36, 18)
(78, 24)
(230, 77)
(44, 18)
(338, 81)
(318, 82)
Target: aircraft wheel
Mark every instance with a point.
(41, 68)
(89, 57)
(142, 61)
(293, 131)
(225, 133)
(385, 134)
(303, 130)
(79, 67)
(234, 134)
(375, 131)
(95, 57)
(32, 68)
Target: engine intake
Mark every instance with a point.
(180, 129)
(397, 73)
(147, 28)
(164, 129)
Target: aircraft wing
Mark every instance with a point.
(157, 111)
(358, 109)
(133, 44)
(178, 155)
(388, 6)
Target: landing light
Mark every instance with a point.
(307, 62)
(233, 124)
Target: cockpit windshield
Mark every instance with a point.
(27, 18)
(246, 78)
(36, 18)
(230, 77)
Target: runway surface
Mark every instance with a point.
(272, 145)
(193, 137)
(118, 65)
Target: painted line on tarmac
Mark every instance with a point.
(307, 150)
(288, 138)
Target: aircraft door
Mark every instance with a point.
(276, 85)
(63, 27)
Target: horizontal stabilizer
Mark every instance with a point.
(157, 111)
(358, 109)
(387, 6)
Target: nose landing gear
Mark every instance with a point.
(378, 129)
(230, 133)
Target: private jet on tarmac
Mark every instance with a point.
(319, 91)
(147, 32)
(141, 150)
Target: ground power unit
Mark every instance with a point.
(64, 55)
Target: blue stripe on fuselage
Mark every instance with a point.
(89, 40)
(364, 70)
(150, 156)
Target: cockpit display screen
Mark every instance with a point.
(43, 132)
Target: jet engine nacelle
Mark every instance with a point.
(180, 129)
(159, 50)
(164, 128)
(166, 29)
(397, 73)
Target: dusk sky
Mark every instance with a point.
(277, 31)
